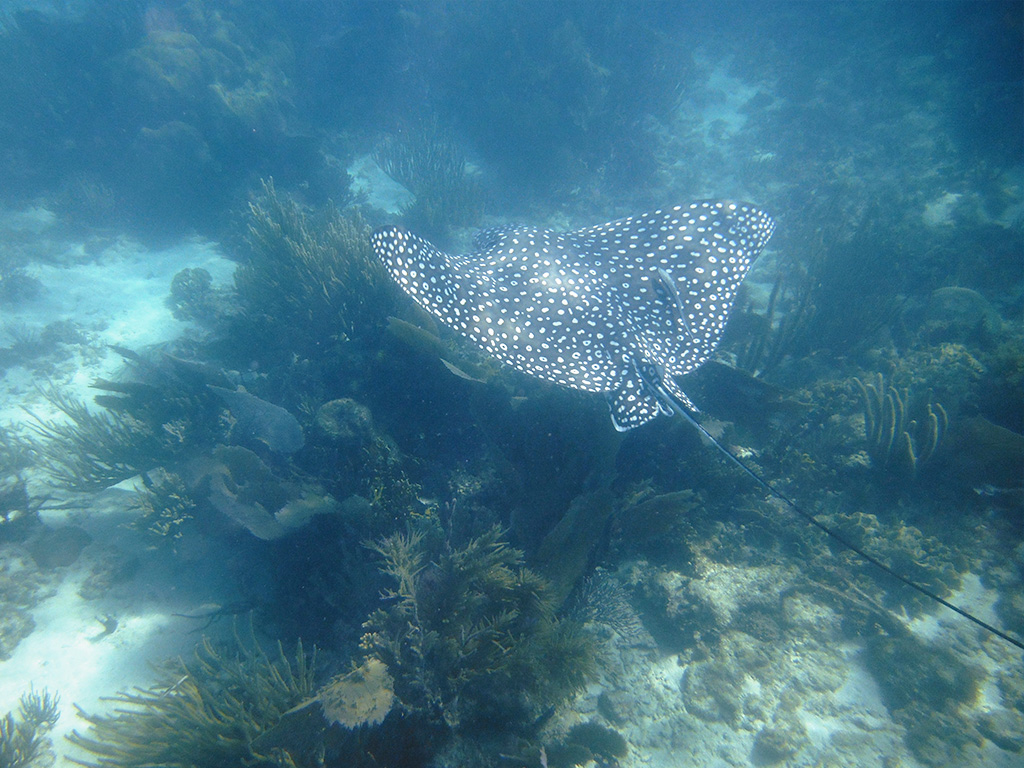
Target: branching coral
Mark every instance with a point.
(207, 712)
(896, 441)
(165, 505)
(94, 450)
(309, 279)
(472, 632)
(23, 736)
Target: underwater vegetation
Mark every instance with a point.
(578, 131)
(164, 505)
(362, 696)
(18, 508)
(192, 296)
(195, 445)
(470, 632)
(46, 81)
(428, 162)
(209, 711)
(163, 413)
(93, 450)
(926, 689)
(484, 634)
(308, 283)
(588, 743)
(152, 114)
(466, 644)
(23, 736)
(812, 305)
(898, 443)
(16, 284)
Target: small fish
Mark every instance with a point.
(257, 419)
(622, 308)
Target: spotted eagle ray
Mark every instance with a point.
(623, 308)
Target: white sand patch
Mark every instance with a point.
(116, 296)
(972, 596)
(68, 655)
(939, 212)
(70, 652)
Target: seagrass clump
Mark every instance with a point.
(208, 711)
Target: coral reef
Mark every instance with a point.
(564, 554)
(209, 711)
(921, 558)
(18, 509)
(171, 425)
(780, 741)
(363, 696)
(164, 505)
(959, 315)
(811, 306)
(16, 624)
(17, 285)
(926, 689)
(239, 484)
(257, 421)
(586, 742)
(22, 586)
(984, 459)
(657, 526)
(162, 416)
(731, 635)
(57, 547)
(94, 450)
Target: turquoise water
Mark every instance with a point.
(232, 431)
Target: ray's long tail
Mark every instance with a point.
(770, 489)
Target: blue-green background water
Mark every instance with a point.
(187, 193)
